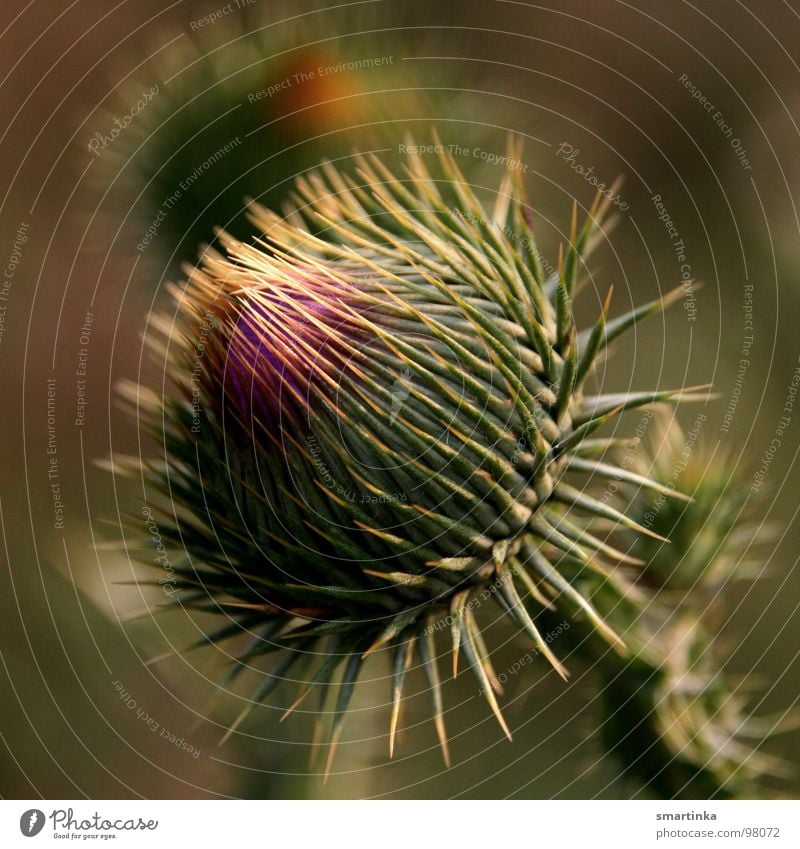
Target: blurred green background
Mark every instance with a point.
(602, 85)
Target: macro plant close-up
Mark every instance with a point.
(402, 407)
(380, 423)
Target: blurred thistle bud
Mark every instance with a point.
(714, 535)
(676, 721)
(377, 418)
(254, 100)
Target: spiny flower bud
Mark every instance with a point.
(389, 420)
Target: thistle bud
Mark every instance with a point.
(394, 421)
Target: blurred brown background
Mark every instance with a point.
(611, 80)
